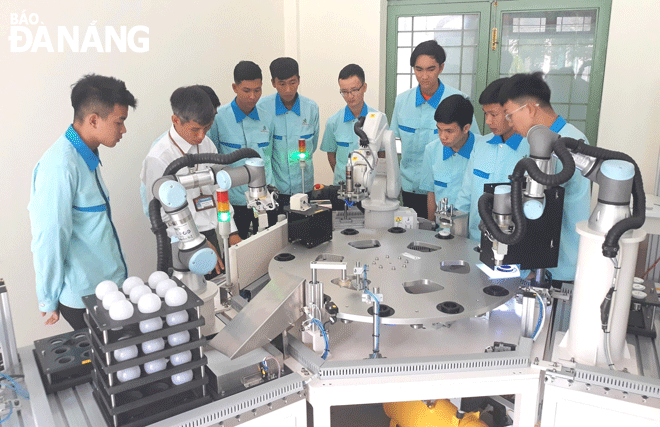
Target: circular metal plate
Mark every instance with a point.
(410, 270)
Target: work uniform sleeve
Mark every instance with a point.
(317, 129)
(394, 126)
(329, 144)
(51, 217)
(426, 181)
(214, 134)
(463, 198)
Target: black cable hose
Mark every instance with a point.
(163, 247)
(364, 140)
(191, 160)
(611, 243)
(485, 204)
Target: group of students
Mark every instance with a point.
(443, 155)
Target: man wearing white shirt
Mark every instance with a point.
(193, 114)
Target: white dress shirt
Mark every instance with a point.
(162, 153)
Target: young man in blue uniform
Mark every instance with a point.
(74, 241)
(244, 124)
(339, 137)
(526, 101)
(445, 158)
(295, 118)
(493, 158)
(413, 119)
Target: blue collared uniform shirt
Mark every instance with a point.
(577, 199)
(492, 161)
(339, 137)
(290, 126)
(413, 122)
(74, 242)
(232, 129)
(442, 168)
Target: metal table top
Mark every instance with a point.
(414, 271)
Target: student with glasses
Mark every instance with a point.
(526, 102)
(339, 137)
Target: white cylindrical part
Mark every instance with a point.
(593, 279)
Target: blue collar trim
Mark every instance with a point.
(240, 116)
(434, 100)
(348, 114)
(513, 142)
(281, 109)
(91, 159)
(558, 124)
(465, 150)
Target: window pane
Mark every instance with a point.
(453, 61)
(405, 23)
(402, 83)
(577, 112)
(561, 45)
(450, 79)
(404, 39)
(467, 83)
(403, 60)
(423, 36)
(469, 60)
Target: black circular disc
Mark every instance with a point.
(384, 311)
(284, 257)
(349, 232)
(397, 230)
(450, 307)
(440, 236)
(495, 291)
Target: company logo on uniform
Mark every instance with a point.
(265, 129)
(27, 33)
(304, 122)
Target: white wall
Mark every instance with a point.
(630, 109)
(191, 42)
(331, 35)
(204, 48)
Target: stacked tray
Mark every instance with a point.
(148, 398)
(64, 360)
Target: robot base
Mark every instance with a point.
(379, 214)
(561, 354)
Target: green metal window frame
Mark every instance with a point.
(487, 67)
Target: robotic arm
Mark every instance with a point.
(191, 258)
(505, 214)
(366, 176)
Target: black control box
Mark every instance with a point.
(311, 227)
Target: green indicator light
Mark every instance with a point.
(302, 156)
(224, 216)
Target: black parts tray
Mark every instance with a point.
(64, 360)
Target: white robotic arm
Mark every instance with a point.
(367, 176)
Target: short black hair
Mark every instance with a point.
(521, 86)
(283, 68)
(430, 48)
(212, 95)
(246, 70)
(454, 109)
(99, 94)
(491, 95)
(192, 103)
(351, 70)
